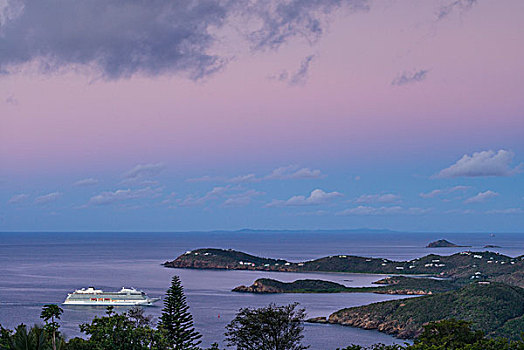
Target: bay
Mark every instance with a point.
(41, 268)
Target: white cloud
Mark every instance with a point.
(283, 173)
(395, 210)
(485, 163)
(292, 172)
(460, 211)
(481, 197)
(18, 198)
(86, 182)
(443, 191)
(378, 198)
(311, 213)
(506, 211)
(192, 200)
(241, 199)
(119, 196)
(316, 197)
(244, 178)
(205, 178)
(142, 172)
(47, 198)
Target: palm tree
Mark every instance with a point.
(28, 339)
(51, 312)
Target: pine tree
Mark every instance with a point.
(176, 320)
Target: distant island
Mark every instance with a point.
(491, 246)
(482, 287)
(463, 266)
(391, 285)
(442, 243)
(495, 308)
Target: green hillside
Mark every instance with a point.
(495, 308)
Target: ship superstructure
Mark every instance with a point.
(124, 297)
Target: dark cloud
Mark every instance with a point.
(123, 38)
(297, 78)
(120, 38)
(283, 20)
(410, 77)
(460, 5)
(11, 100)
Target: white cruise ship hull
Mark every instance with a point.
(112, 302)
(97, 297)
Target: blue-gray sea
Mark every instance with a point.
(41, 268)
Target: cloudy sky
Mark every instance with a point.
(200, 115)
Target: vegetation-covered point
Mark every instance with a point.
(449, 335)
(496, 309)
(465, 265)
(442, 243)
(211, 258)
(390, 285)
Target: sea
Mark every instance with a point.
(41, 268)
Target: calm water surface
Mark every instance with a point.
(41, 268)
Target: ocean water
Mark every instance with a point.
(41, 268)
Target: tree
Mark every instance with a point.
(117, 332)
(450, 334)
(50, 312)
(268, 328)
(24, 339)
(176, 320)
(374, 347)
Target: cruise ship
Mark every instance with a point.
(124, 297)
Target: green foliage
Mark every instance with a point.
(5, 337)
(50, 312)
(117, 332)
(176, 320)
(451, 334)
(269, 328)
(25, 339)
(488, 307)
(374, 347)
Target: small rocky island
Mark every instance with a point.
(442, 243)
(400, 285)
